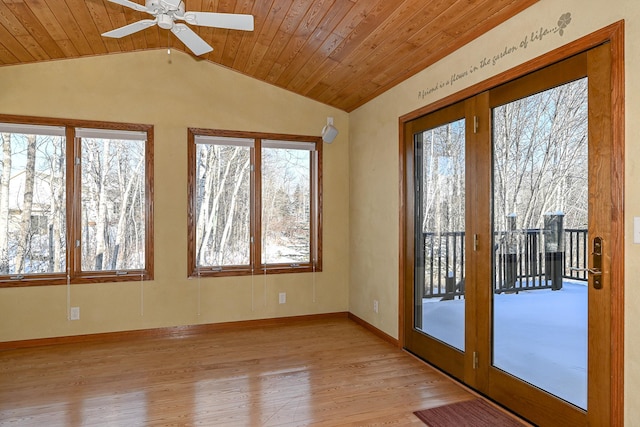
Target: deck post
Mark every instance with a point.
(511, 252)
(554, 248)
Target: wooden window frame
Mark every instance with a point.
(255, 265)
(74, 273)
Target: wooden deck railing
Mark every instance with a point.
(520, 262)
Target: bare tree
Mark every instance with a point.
(127, 202)
(24, 241)
(231, 211)
(223, 205)
(443, 178)
(4, 203)
(58, 205)
(540, 157)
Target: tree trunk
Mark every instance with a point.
(4, 203)
(102, 220)
(231, 217)
(125, 207)
(58, 205)
(27, 205)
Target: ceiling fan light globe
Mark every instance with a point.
(165, 22)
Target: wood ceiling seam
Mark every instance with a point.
(220, 37)
(81, 14)
(268, 29)
(63, 15)
(290, 22)
(370, 57)
(101, 20)
(6, 57)
(249, 39)
(302, 37)
(232, 53)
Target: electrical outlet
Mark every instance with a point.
(74, 313)
(375, 305)
(282, 297)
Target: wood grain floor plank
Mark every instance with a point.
(324, 372)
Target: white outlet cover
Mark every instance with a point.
(282, 297)
(74, 313)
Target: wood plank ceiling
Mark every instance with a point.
(339, 52)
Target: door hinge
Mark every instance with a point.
(475, 124)
(475, 360)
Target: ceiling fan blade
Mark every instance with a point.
(130, 4)
(130, 29)
(191, 40)
(232, 21)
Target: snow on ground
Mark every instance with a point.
(539, 336)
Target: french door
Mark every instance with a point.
(508, 241)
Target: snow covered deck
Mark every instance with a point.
(539, 336)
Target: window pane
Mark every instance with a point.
(113, 204)
(286, 206)
(32, 204)
(223, 205)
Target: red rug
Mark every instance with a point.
(470, 413)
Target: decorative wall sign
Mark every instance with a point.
(509, 49)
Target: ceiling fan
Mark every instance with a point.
(166, 12)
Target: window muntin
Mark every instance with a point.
(44, 237)
(275, 197)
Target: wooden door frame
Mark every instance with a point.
(614, 34)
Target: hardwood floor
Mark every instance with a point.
(323, 372)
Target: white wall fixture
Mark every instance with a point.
(329, 132)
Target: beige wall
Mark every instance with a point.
(360, 225)
(174, 93)
(374, 171)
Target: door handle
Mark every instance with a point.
(597, 262)
(593, 271)
(596, 270)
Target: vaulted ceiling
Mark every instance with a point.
(339, 52)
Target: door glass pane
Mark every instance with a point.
(439, 223)
(540, 198)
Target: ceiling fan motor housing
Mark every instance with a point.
(165, 21)
(163, 7)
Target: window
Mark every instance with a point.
(254, 203)
(74, 202)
